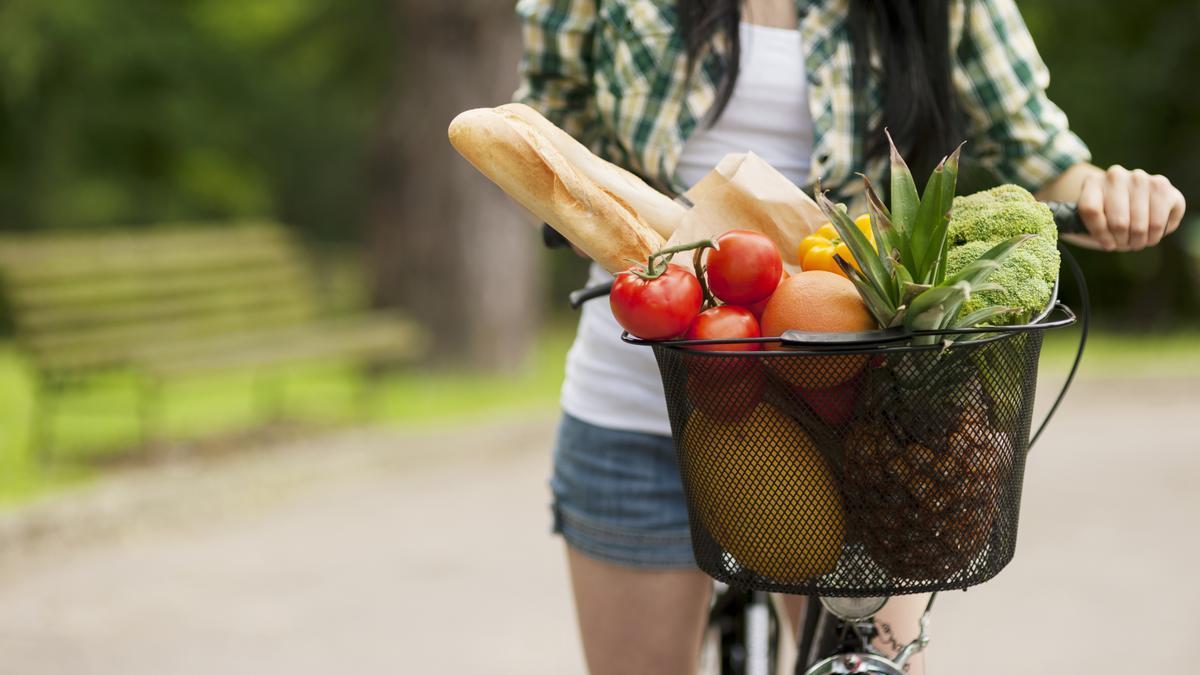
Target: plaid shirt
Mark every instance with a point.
(613, 74)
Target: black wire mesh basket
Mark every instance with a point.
(872, 464)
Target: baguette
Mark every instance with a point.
(529, 167)
(657, 210)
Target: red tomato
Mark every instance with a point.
(761, 305)
(744, 268)
(725, 322)
(658, 308)
(725, 388)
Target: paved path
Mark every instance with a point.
(388, 552)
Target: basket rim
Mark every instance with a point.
(888, 340)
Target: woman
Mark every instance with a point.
(668, 87)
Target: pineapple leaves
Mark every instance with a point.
(904, 282)
(939, 248)
(931, 310)
(980, 316)
(873, 268)
(926, 225)
(977, 272)
(889, 237)
(880, 307)
(928, 235)
(904, 191)
(938, 306)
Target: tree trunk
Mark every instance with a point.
(447, 245)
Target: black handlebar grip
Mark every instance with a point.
(577, 298)
(552, 239)
(1066, 217)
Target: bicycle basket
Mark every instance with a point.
(878, 467)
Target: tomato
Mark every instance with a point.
(726, 322)
(656, 308)
(725, 388)
(744, 268)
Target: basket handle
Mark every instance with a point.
(1085, 315)
(797, 338)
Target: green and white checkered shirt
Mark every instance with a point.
(613, 74)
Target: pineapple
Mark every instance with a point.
(924, 466)
(926, 488)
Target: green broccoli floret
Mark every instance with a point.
(984, 219)
(1023, 283)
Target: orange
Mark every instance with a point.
(764, 493)
(816, 302)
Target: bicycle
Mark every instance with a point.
(837, 631)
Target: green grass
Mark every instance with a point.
(1131, 355)
(101, 419)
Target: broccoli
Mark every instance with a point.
(1027, 276)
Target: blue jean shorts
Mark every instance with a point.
(618, 496)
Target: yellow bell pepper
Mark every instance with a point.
(816, 251)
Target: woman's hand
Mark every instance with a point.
(1123, 210)
(1128, 210)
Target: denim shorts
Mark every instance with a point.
(618, 496)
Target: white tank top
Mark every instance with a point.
(612, 384)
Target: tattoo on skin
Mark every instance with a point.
(885, 639)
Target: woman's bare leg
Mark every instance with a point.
(793, 611)
(639, 622)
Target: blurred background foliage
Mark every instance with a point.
(1122, 72)
(143, 112)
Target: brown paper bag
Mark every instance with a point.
(744, 192)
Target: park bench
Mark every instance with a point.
(169, 302)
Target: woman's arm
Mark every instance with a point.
(1013, 127)
(556, 64)
(1023, 136)
(556, 70)
(1123, 210)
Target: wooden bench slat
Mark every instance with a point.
(72, 270)
(354, 336)
(116, 344)
(93, 317)
(25, 250)
(149, 288)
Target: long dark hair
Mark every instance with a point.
(912, 40)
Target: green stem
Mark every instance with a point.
(653, 269)
(710, 300)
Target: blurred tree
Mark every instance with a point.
(445, 242)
